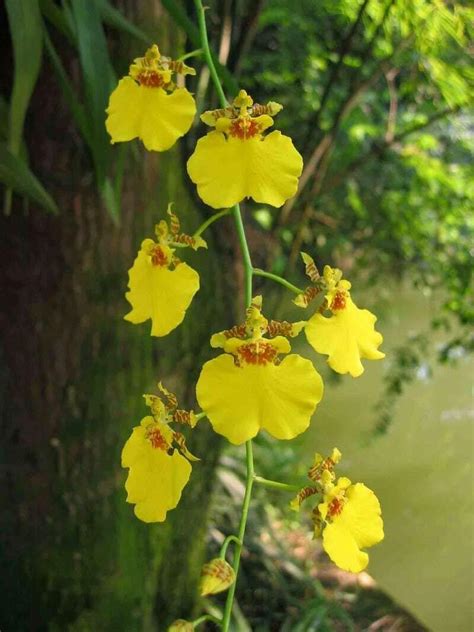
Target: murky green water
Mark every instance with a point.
(421, 471)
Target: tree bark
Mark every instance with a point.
(72, 374)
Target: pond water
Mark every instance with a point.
(420, 470)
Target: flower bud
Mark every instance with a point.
(216, 576)
(180, 625)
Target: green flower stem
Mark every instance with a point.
(276, 485)
(207, 51)
(193, 53)
(225, 545)
(205, 225)
(238, 546)
(200, 415)
(248, 271)
(248, 267)
(278, 279)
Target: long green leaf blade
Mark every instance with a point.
(15, 174)
(26, 29)
(76, 107)
(117, 20)
(97, 75)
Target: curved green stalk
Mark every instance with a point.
(278, 279)
(205, 225)
(225, 546)
(204, 618)
(276, 485)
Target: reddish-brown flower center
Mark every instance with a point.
(244, 128)
(150, 79)
(158, 257)
(339, 301)
(335, 507)
(157, 440)
(257, 353)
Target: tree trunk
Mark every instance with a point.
(72, 374)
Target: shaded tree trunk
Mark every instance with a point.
(72, 374)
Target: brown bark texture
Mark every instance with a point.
(72, 374)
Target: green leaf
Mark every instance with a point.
(117, 20)
(15, 174)
(57, 17)
(26, 29)
(98, 78)
(111, 200)
(77, 109)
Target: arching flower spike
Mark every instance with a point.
(158, 458)
(249, 388)
(349, 333)
(148, 105)
(236, 161)
(347, 516)
(161, 286)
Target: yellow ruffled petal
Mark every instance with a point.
(124, 111)
(239, 401)
(227, 170)
(151, 114)
(160, 294)
(346, 337)
(343, 550)
(359, 525)
(155, 479)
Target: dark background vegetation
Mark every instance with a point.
(376, 96)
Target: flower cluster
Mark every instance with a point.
(346, 516)
(256, 383)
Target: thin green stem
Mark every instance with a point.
(193, 53)
(238, 548)
(207, 52)
(200, 415)
(205, 225)
(248, 271)
(276, 485)
(277, 279)
(225, 546)
(248, 267)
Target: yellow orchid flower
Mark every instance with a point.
(158, 459)
(347, 516)
(147, 104)
(236, 161)
(249, 388)
(353, 522)
(161, 287)
(349, 333)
